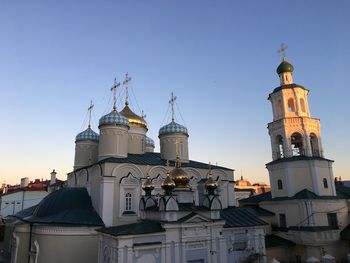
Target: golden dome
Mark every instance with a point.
(180, 177)
(148, 186)
(134, 119)
(211, 184)
(168, 183)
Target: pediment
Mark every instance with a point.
(194, 218)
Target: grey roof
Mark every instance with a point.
(142, 227)
(303, 194)
(298, 158)
(67, 206)
(240, 217)
(152, 158)
(276, 241)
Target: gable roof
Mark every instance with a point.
(240, 217)
(67, 206)
(152, 158)
(193, 215)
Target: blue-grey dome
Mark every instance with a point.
(173, 127)
(87, 135)
(149, 141)
(113, 117)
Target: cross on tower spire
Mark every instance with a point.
(126, 83)
(172, 102)
(90, 110)
(114, 89)
(143, 115)
(282, 51)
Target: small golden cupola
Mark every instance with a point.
(210, 184)
(179, 176)
(148, 186)
(168, 185)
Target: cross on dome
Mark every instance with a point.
(172, 102)
(126, 83)
(90, 110)
(114, 89)
(282, 51)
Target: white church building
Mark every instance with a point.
(137, 205)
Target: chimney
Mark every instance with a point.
(53, 177)
(24, 182)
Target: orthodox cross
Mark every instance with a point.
(126, 83)
(143, 115)
(172, 102)
(114, 88)
(90, 110)
(282, 51)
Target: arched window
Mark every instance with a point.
(297, 144)
(128, 202)
(325, 183)
(314, 145)
(279, 184)
(280, 152)
(302, 105)
(291, 107)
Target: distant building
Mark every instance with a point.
(15, 198)
(244, 189)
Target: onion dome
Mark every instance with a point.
(149, 142)
(133, 118)
(87, 135)
(179, 176)
(284, 67)
(168, 185)
(211, 185)
(113, 118)
(148, 186)
(173, 127)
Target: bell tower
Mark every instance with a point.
(297, 152)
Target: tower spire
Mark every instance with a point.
(126, 83)
(282, 51)
(90, 110)
(114, 89)
(172, 102)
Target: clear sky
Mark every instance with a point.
(218, 57)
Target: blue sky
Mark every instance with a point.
(218, 57)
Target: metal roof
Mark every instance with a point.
(153, 158)
(240, 217)
(68, 206)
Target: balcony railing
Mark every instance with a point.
(298, 152)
